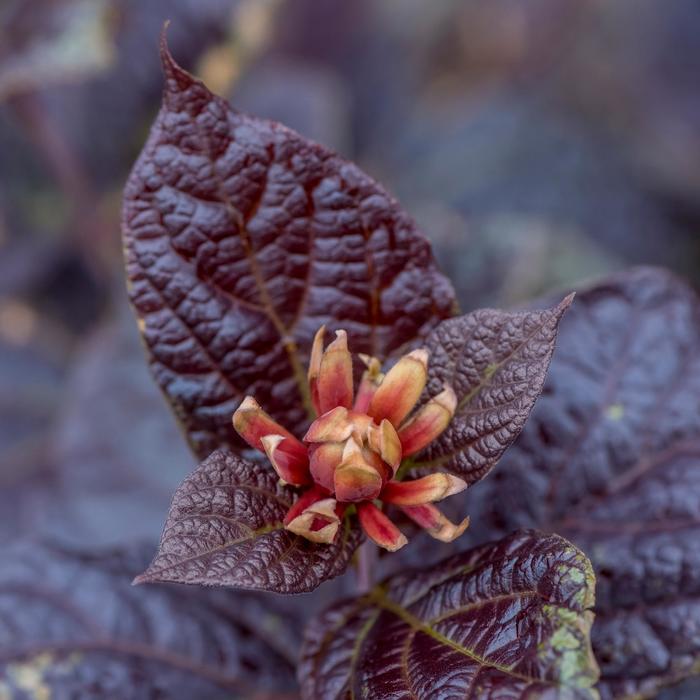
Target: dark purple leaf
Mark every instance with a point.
(611, 459)
(496, 362)
(242, 238)
(225, 529)
(72, 626)
(506, 620)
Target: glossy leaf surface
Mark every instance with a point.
(72, 626)
(242, 238)
(496, 363)
(225, 529)
(506, 620)
(611, 459)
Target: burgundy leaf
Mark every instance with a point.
(496, 362)
(507, 620)
(611, 459)
(225, 529)
(72, 626)
(242, 238)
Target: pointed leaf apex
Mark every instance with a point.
(171, 69)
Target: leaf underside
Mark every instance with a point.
(242, 238)
(506, 620)
(72, 626)
(610, 458)
(496, 362)
(225, 528)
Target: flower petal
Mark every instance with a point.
(315, 367)
(325, 457)
(435, 523)
(354, 479)
(252, 424)
(333, 426)
(427, 489)
(319, 522)
(384, 440)
(379, 528)
(371, 379)
(429, 422)
(315, 493)
(335, 375)
(291, 465)
(401, 388)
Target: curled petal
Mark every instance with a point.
(335, 375)
(318, 522)
(315, 367)
(379, 528)
(371, 379)
(435, 523)
(291, 465)
(429, 422)
(315, 493)
(355, 479)
(401, 388)
(333, 426)
(253, 424)
(325, 457)
(384, 440)
(427, 489)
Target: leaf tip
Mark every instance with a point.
(176, 77)
(141, 579)
(565, 303)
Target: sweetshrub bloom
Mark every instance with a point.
(351, 453)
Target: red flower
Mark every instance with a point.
(351, 452)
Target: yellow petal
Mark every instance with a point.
(335, 375)
(427, 489)
(334, 426)
(384, 440)
(428, 422)
(315, 367)
(371, 379)
(400, 389)
(354, 479)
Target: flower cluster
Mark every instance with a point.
(352, 451)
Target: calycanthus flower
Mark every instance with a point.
(351, 453)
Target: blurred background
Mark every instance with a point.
(539, 143)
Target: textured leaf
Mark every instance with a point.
(225, 529)
(506, 620)
(496, 362)
(611, 459)
(72, 626)
(242, 238)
